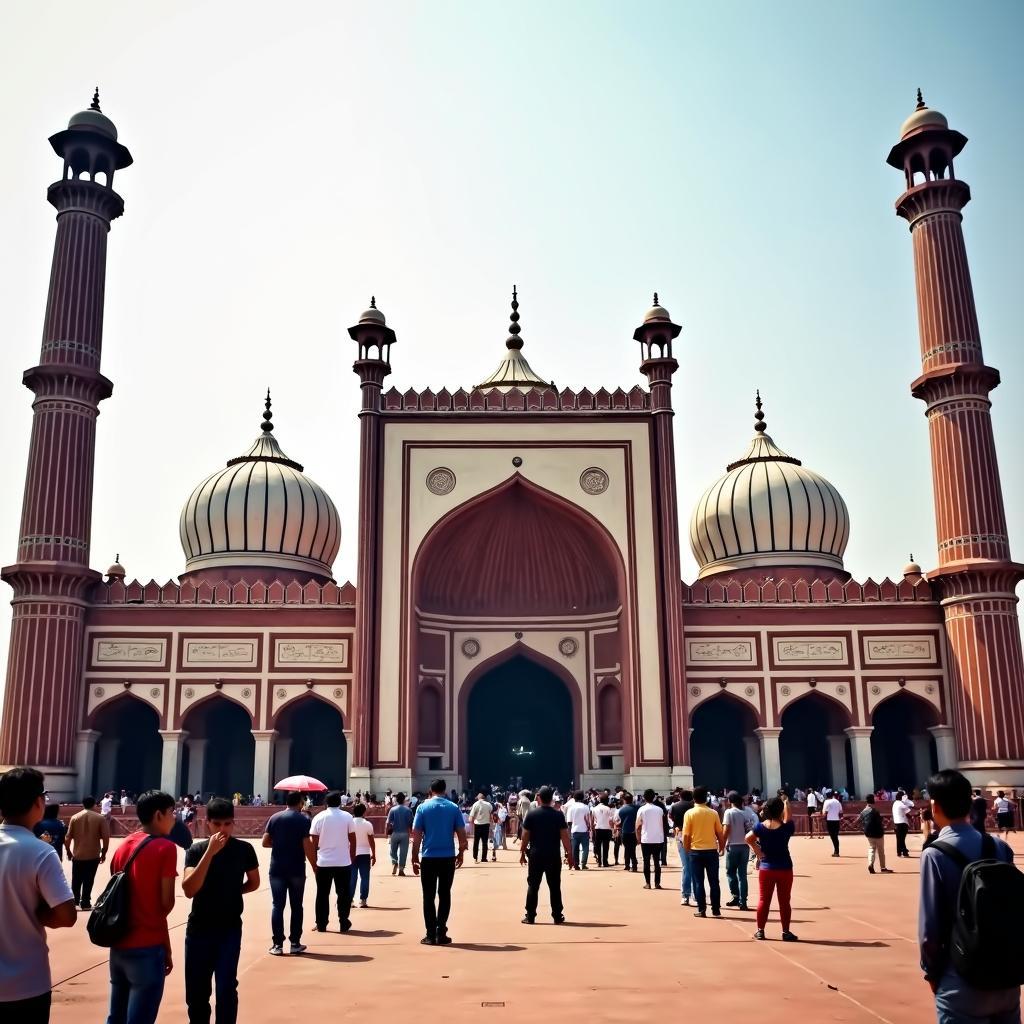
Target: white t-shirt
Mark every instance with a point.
(577, 817)
(480, 813)
(603, 816)
(363, 830)
(812, 798)
(833, 809)
(652, 824)
(502, 813)
(333, 826)
(1003, 805)
(106, 805)
(899, 811)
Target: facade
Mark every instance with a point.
(519, 612)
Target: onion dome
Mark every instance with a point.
(911, 569)
(922, 117)
(372, 315)
(261, 510)
(514, 371)
(116, 571)
(768, 510)
(94, 119)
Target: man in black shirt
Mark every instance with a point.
(874, 832)
(676, 813)
(979, 811)
(544, 829)
(218, 871)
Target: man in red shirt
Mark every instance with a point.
(142, 959)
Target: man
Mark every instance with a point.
(437, 824)
(544, 831)
(398, 827)
(650, 832)
(124, 801)
(812, 808)
(286, 835)
(900, 824)
(677, 813)
(498, 819)
(874, 831)
(737, 853)
(703, 841)
(107, 805)
(218, 873)
(833, 818)
(522, 810)
(626, 813)
(1004, 814)
(955, 1000)
(334, 840)
(580, 819)
(480, 818)
(979, 811)
(257, 800)
(141, 959)
(603, 816)
(34, 896)
(87, 840)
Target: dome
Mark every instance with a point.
(261, 510)
(657, 313)
(94, 119)
(922, 117)
(912, 568)
(116, 571)
(768, 510)
(372, 315)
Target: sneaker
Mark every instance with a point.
(835, 854)
(560, 919)
(886, 871)
(394, 869)
(716, 913)
(320, 928)
(345, 926)
(743, 906)
(494, 859)
(86, 906)
(685, 901)
(871, 869)
(276, 950)
(401, 873)
(733, 903)
(759, 934)
(700, 913)
(789, 937)
(444, 939)
(527, 919)
(657, 887)
(428, 940)
(647, 885)
(296, 948)
(363, 904)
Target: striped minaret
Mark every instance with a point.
(51, 577)
(975, 575)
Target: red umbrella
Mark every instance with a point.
(301, 784)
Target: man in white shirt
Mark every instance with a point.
(480, 819)
(334, 839)
(1004, 814)
(812, 809)
(833, 817)
(900, 825)
(578, 816)
(650, 830)
(602, 816)
(107, 806)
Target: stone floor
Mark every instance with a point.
(626, 954)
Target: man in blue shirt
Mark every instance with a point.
(398, 826)
(626, 814)
(955, 1000)
(438, 821)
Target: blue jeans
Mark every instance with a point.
(399, 845)
(290, 888)
(580, 841)
(956, 1002)
(686, 883)
(360, 873)
(736, 858)
(705, 862)
(497, 837)
(136, 984)
(212, 957)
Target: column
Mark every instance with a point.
(283, 757)
(863, 769)
(196, 763)
(263, 763)
(170, 763)
(771, 764)
(922, 758)
(753, 751)
(85, 758)
(106, 765)
(945, 746)
(837, 758)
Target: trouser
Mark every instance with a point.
(27, 1011)
(480, 839)
(83, 874)
(901, 839)
(436, 877)
(652, 852)
(602, 840)
(136, 984)
(956, 1002)
(360, 872)
(812, 813)
(833, 834)
(771, 882)
(399, 845)
(686, 882)
(616, 844)
(664, 853)
(212, 958)
(540, 868)
(497, 838)
(580, 841)
(629, 850)
(341, 879)
(705, 862)
(876, 846)
(736, 858)
(287, 888)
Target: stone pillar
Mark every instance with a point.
(945, 746)
(283, 758)
(263, 763)
(922, 759)
(753, 750)
(771, 764)
(85, 751)
(837, 757)
(863, 769)
(196, 763)
(106, 766)
(170, 764)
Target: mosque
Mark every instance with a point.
(519, 609)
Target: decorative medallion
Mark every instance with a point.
(694, 691)
(471, 647)
(98, 692)
(517, 462)
(338, 693)
(441, 481)
(841, 690)
(281, 693)
(750, 691)
(785, 690)
(189, 693)
(155, 691)
(929, 688)
(568, 646)
(876, 690)
(518, 634)
(594, 480)
(246, 693)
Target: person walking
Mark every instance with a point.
(737, 853)
(87, 840)
(219, 871)
(545, 844)
(480, 819)
(34, 896)
(51, 829)
(703, 842)
(650, 833)
(979, 810)
(398, 827)
(1004, 814)
(603, 816)
(438, 823)
(833, 810)
(677, 815)
(812, 809)
(874, 831)
(580, 819)
(332, 834)
(286, 835)
(900, 824)
(365, 856)
(498, 816)
(107, 805)
(626, 815)
(769, 839)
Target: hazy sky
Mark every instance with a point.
(290, 160)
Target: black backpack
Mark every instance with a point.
(108, 922)
(985, 947)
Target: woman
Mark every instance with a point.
(928, 829)
(366, 855)
(769, 839)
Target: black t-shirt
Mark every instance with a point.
(287, 829)
(979, 809)
(678, 810)
(545, 826)
(217, 907)
(871, 822)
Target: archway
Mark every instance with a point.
(519, 726)
(313, 732)
(230, 750)
(718, 750)
(129, 750)
(902, 749)
(806, 759)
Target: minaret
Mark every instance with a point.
(655, 335)
(51, 577)
(975, 575)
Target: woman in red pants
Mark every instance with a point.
(769, 840)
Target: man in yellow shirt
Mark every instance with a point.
(703, 842)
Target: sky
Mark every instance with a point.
(292, 160)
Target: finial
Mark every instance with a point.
(911, 555)
(95, 105)
(656, 298)
(267, 425)
(920, 100)
(117, 557)
(514, 341)
(759, 424)
(373, 302)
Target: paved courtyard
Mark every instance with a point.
(626, 953)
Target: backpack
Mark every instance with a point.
(109, 920)
(985, 946)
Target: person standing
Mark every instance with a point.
(365, 856)
(286, 835)
(874, 831)
(650, 832)
(480, 819)
(498, 818)
(522, 810)
(1004, 814)
(51, 829)
(87, 840)
(107, 805)
(979, 810)
(580, 820)
(677, 814)
(626, 814)
(833, 810)
(703, 842)
(438, 823)
(900, 806)
(219, 871)
(398, 827)
(141, 959)
(333, 838)
(545, 842)
(812, 808)
(737, 853)
(124, 801)
(769, 839)
(603, 816)
(34, 896)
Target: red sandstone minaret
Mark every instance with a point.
(52, 576)
(975, 575)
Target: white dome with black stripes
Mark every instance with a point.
(261, 511)
(768, 510)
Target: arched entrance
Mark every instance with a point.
(902, 749)
(229, 750)
(129, 750)
(519, 726)
(718, 749)
(804, 752)
(313, 734)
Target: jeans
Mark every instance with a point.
(736, 858)
(541, 868)
(686, 883)
(480, 839)
(341, 879)
(83, 874)
(498, 838)
(288, 888)
(212, 958)
(27, 1011)
(436, 877)
(833, 834)
(956, 1002)
(629, 850)
(360, 872)
(580, 841)
(901, 839)
(705, 862)
(399, 844)
(770, 881)
(136, 984)
(652, 851)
